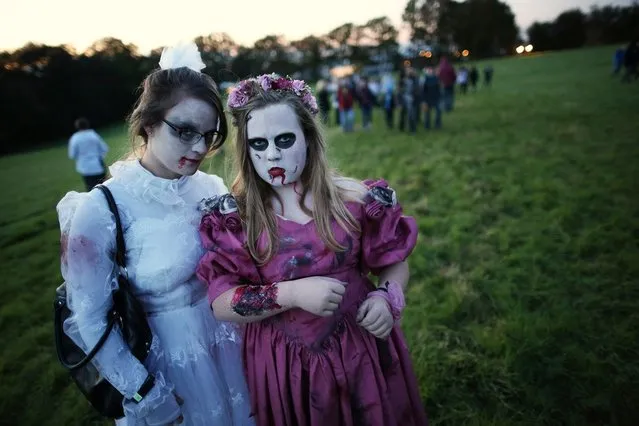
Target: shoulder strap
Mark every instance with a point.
(120, 253)
(112, 315)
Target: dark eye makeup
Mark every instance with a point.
(258, 144)
(282, 141)
(285, 140)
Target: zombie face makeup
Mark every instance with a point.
(177, 145)
(277, 145)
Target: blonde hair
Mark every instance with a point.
(330, 191)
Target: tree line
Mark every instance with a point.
(45, 88)
(573, 28)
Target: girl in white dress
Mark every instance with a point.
(195, 361)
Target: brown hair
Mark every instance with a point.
(253, 195)
(165, 88)
(82, 124)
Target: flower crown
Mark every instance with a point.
(243, 92)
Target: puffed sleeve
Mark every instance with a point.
(388, 237)
(87, 251)
(227, 262)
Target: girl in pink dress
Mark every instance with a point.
(289, 254)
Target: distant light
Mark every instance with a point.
(422, 53)
(529, 48)
(407, 63)
(342, 71)
(465, 53)
(520, 49)
(11, 66)
(429, 54)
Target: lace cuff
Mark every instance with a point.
(392, 292)
(158, 407)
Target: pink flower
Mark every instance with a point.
(374, 210)
(209, 226)
(232, 222)
(282, 83)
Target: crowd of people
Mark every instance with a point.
(416, 96)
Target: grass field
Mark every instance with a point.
(524, 297)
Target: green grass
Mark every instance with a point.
(523, 306)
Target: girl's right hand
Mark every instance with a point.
(317, 295)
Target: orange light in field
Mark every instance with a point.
(465, 53)
(422, 53)
(11, 66)
(429, 54)
(342, 71)
(520, 49)
(407, 63)
(529, 48)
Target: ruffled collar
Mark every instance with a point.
(145, 185)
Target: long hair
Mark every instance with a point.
(328, 189)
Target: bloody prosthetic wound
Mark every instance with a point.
(255, 300)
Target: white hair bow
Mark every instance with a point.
(182, 55)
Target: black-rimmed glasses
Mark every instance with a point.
(188, 136)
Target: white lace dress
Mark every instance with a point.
(193, 354)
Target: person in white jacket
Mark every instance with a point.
(88, 149)
(193, 374)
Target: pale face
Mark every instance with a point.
(277, 145)
(166, 154)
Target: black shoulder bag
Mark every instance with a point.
(127, 312)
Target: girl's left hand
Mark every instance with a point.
(375, 316)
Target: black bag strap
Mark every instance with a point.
(120, 253)
(120, 249)
(120, 258)
(84, 361)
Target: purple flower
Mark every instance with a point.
(237, 99)
(243, 92)
(246, 86)
(298, 86)
(265, 81)
(310, 102)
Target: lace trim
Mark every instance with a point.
(147, 187)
